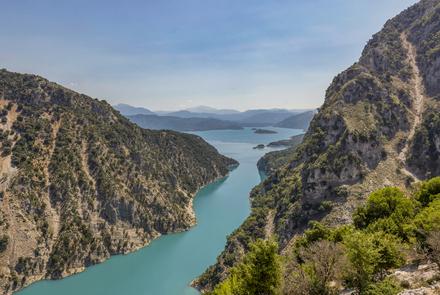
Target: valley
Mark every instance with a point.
(170, 263)
(284, 188)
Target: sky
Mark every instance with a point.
(174, 54)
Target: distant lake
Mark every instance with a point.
(170, 263)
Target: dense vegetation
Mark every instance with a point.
(390, 230)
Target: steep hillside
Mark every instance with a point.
(182, 124)
(79, 182)
(297, 121)
(273, 161)
(378, 126)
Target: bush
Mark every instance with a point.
(433, 242)
(324, 262)
(428, 191)
(387, 210)
(259, 273)
(428, 220)
(385, 287)
(370, 255)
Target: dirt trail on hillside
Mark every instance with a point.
(418, 102)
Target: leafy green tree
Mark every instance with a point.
(428, 219)
(428, 191)
(258, 274)
(387, 210)
(370, 255)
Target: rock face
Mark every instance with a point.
(79, 182)
(378, 126)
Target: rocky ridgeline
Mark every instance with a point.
(379, 126)
(79, 182)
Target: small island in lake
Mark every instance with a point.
(259, 147)
(264, 131)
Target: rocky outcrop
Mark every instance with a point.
(378, 119)
(79, 182)
(418, 279)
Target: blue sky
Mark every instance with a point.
(172, 54)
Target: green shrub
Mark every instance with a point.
(259, 273)
(428, 191)
(370, 255)
(387, 210)
(385, 287)
(428, 219)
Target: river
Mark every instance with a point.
(170, 263)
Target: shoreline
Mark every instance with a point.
(78, 270)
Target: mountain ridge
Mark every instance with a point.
(182, 124)
(371, 132)
(79, 182)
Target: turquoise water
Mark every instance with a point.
(170, 263)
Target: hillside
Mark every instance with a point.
(182, 124)
(79, 182)
(377, 127)
(274, 160)
(297, 121)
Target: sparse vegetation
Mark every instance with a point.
(78, 161)
(4, 240)
(324, 260)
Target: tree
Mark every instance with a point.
(258, 274)
(370, 255)
(387, 210)
(322, 266)
(428, 191)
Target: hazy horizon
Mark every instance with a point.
(171, 55)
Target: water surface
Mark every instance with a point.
(170, 263)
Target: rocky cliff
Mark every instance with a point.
(79, 182)
(378, 126)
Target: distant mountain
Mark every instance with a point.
(297, 121)
(251, 118)
(128, 110)
(210, 110)
(182, 124)
(264, 117)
